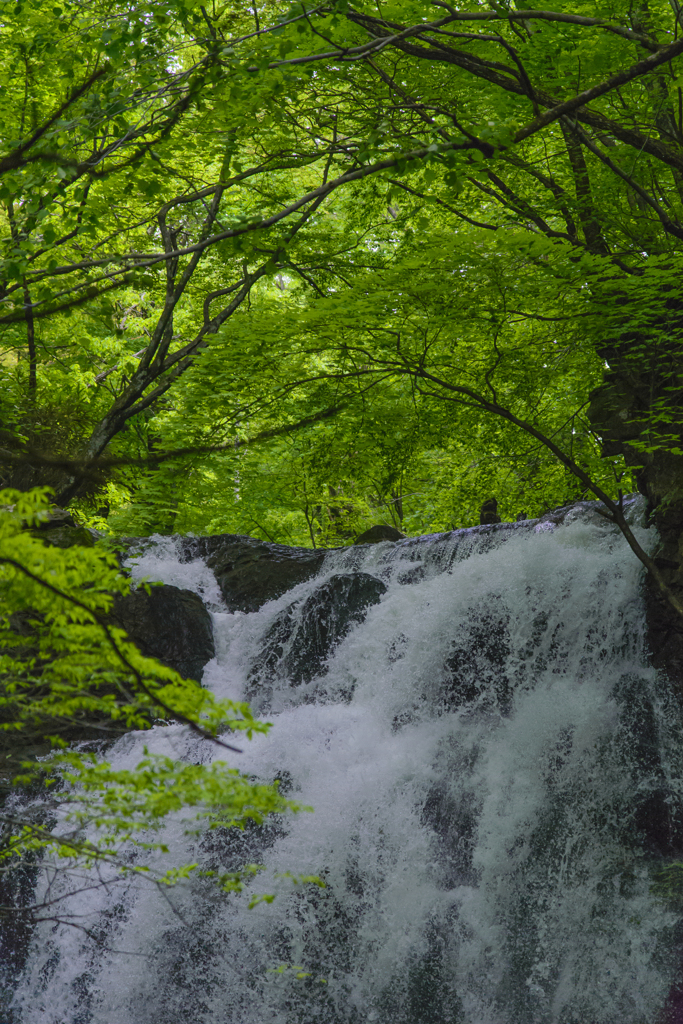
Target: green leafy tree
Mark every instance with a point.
(284, 138)
(68, 674)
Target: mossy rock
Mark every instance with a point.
(67, 536)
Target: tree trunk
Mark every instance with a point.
(635, 411)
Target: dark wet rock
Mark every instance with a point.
(488, 513)
(304, 634)
(476, 666)
(430, 996)
(252, 572)
(377, 534)
(169, 624)
(415, 574)
(57, 518)
(229, 849)
(16, 751)
(59, 528)
(68, 536)
(663, 623)
(18, 892)
(424, 992)
(665, 633)
(641, 379)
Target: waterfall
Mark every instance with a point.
(495, 774)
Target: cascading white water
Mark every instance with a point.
(486, 755)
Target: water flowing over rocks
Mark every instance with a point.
(477, 663)
(298, 643)
(495, 769)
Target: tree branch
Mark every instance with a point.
(156, 700)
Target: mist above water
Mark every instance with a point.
(495, 774)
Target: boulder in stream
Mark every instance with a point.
(169, 624)
(378, 533)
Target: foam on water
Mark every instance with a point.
(473, 758)
(158, 559)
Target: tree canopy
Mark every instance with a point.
(225, 221)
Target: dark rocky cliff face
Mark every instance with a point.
(636, 413)
(664, 625)
(614, 409)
